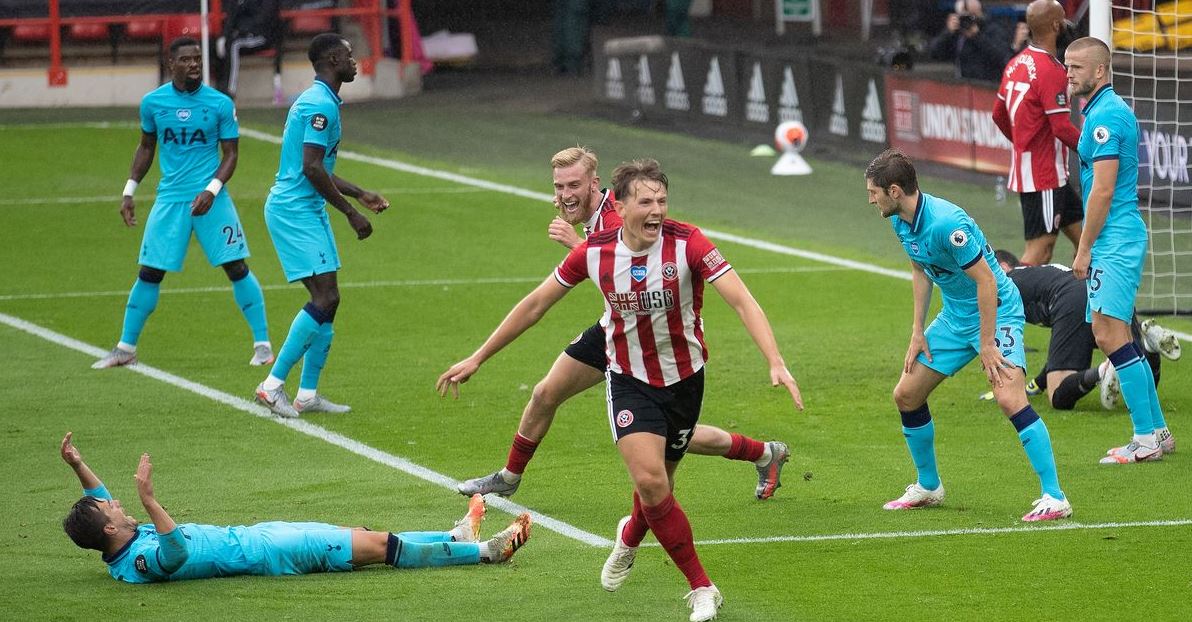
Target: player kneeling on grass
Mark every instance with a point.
(166, 551)
(982, 317)
(651, 273)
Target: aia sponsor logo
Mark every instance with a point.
(624, 419)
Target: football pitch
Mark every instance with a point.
(464, 241)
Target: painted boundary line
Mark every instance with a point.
(239, 195)
(364, 284)
(307, 428)
(891, 535)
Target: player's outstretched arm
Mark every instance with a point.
(172, 551)
(312, 168)
(72, 457)
(524, 314)
(737, 295)
(141, 161)
(921, 290)
(374, 202)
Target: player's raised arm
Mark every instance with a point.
(524, 314)
(172, 551)
(737, 295)
(71, 456)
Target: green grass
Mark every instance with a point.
(843, 332)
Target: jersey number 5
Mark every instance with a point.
(1014, 94)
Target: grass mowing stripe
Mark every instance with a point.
(365, 284)
(976, 531)
(306, 428)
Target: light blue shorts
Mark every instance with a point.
(303, 548)
(953, 344)
(168, 229)
(1114, 278)
(303, 239)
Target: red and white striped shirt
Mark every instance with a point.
(605, 216)
(1035, 88)
(652, 299)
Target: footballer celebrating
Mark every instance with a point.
(651, 272)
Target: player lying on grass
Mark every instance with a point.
(1053, 298)
(580, 201)
(166, 551)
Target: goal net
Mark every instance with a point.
(1152, 69)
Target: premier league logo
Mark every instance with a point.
(1101, 134)
(638, 273)
(183, 114)
(958, 238)
(624, 419)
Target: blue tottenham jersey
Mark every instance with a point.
(944, 240)
(191, 551)
(188, 126)
(313, 120)
(1111, 132)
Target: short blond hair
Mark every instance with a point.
(1098, 52)
(576, 155)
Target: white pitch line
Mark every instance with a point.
(307, 428)
(890, 535)
(366, 284)
(235, 195)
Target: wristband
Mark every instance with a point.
(130, 187)
(214, 186)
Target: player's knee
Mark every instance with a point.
(235, 270)
(327, 302)
(904, 400)
(546, 397)
(151, 275)
(653, 488)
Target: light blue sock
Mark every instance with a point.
(316, 357)
(302, 332)
(919, 430)
(142, 300)
(1137, 386)
(1156, 410)
(1037, 443)
(251, 300)
(416, 552)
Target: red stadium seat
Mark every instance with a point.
(31, 33)
(143, 29)
(89, 32)
(309, 24)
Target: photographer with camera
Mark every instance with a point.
(979, 47)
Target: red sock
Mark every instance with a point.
(520, 453)
(671, 527)
(637, 526)
(745, 448)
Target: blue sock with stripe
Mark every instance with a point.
(142, 300)
(316, 356)
(302, 332)
(919, 430)
(429, 549)
(1037, 442)
(1156, 410)
(251, 301)
(1136, 385)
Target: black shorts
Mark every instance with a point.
(1072, 342)
(1047, 211)
(670, 412)
(588, 348)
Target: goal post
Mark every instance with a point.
(1152, 71)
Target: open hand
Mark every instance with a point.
(70, 455)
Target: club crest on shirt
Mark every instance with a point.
(624, 419)
(713, 259)
(319, 122)
(182, 114)
(669, 271)
(1101, 134)
(141, 564)
(638, 273)
(958, 238)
